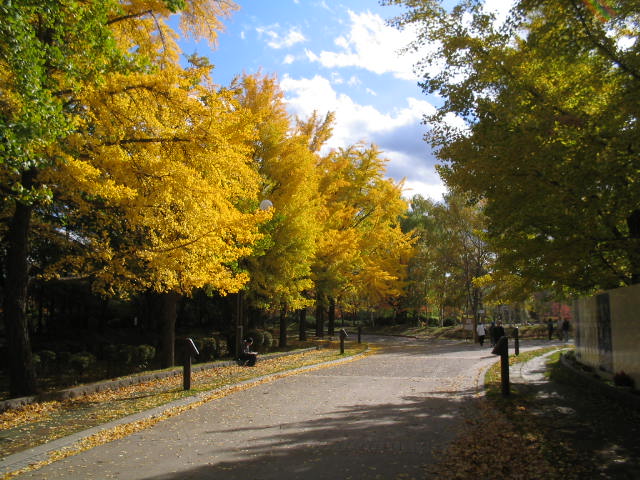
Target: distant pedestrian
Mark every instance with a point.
(550, 328)
(565, 329)
(481, 333)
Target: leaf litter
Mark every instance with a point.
(39, 423)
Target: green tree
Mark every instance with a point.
(47, 49)
(550, 141)
(451, 254)
(53, 57)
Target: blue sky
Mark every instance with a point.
(336, 56)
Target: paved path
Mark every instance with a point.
(378, 417)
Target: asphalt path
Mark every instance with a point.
(383, 416)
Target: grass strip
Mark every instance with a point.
(37, 424)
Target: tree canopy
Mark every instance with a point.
(539, 120)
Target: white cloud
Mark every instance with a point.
(324, 5)
(354, 81)
(288, 60)
(277, 40)
(372, 92)
(397, 133)
(500, 8)
(372, 45)
(435, 190)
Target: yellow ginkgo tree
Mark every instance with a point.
(362, 252)
(168, 189)
(145, 175)
(280, 268)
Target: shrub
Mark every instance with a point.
(47, 356)
(622, 379)
(268, 340)
(208, 349)
(258, 338)
(142, 356)
(47, 360)
(37, 362)
(126, 354)
(110, 353)
(81, 361)
(433, 322)
(64, 360)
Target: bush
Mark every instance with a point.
(208, 349)
(268, 340)
(433, 322)
(142, 356)
(258, 338)
(37, 362)
(64, 360)
(47, 360)
(622, 379)
(126, 354)
(81, 362)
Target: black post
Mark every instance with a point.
(516, 340)
(190, 349)
(359, 333)
(343, 335)
(502, 349)
(504, 373)
(186, 372)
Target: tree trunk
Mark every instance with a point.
(168, 303)
(332, 317)
(302, 325)
(22, 377)
(633, 222)
(283, 327)
(319, 320)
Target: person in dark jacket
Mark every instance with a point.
(492, 327)
(550, 328)
(565, 329)
(247, 357)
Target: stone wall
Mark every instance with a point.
(607, 332)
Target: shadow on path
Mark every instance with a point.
(356, 442)
(587, 426)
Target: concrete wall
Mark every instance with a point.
(607, 331)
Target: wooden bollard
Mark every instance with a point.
(502, 349)
(190, 349)
(343, 335)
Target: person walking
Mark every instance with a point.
(565, 329)
(492, 327)
(481, 333)
(497, 333)
(550, 328)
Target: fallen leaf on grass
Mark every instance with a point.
(283, 367)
